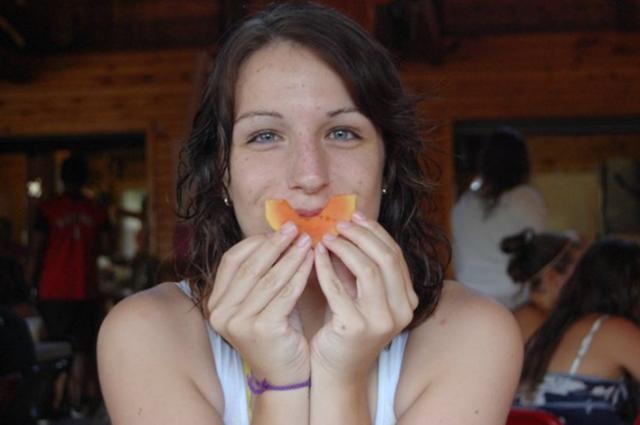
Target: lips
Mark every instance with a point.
(308, 212)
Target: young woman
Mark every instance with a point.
(359, 329)
(499, 203)
(540, 263)
(580, 363)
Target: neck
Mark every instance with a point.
(543, 298)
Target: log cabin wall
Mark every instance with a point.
(114, 93)
(13, 198)
(581, 75)
(497, 77)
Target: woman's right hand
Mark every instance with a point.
(252, 305)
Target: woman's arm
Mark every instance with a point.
(463, 365)
(252, 306)
(147, 346)
(346, 348)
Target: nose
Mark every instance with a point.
(308, 167)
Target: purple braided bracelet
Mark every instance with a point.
(258, 387)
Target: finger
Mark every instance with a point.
(276, 278)
(229, 264)
(257, 264)
(388, 257)
(333, 289)
(359, 218)
(284, 302)
(390, 262)
(370, 289)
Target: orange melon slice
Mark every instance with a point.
(278, 212)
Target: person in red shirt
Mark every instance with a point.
(70, 232)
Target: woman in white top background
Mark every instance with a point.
(303, 105)
(499, 203)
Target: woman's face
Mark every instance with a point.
(299, 136)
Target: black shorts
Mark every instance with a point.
(77, 322)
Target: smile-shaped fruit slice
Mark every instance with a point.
(278, 212)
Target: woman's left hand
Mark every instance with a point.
(361, 325)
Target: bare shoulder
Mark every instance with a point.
(148, 347)
(158, 310)
(462, 365)
(470, 316)
(156, 317)
(618, 326)
(623, 334)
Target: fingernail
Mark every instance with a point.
(329, 237)
(303, 240)
(289, 228)
(343, 225)
(359, 216)
(320, 248)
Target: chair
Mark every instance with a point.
(8, 390)
(26, 397)
(523, 416)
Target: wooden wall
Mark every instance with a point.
(13, 197)
(142, 93)
(527, 76)
(499, 77)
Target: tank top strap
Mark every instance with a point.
(389, 367)
(230, 373)
(585, 344)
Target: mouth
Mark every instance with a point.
(308, 212)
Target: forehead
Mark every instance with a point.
(285, 68)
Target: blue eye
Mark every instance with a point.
(264, 137)
(343, 134)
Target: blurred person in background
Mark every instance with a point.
(541, 263)
(500, 202)
(70, 231)
(583, 364)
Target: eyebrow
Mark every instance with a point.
(346, 110)
(330, 114)
(259, 114)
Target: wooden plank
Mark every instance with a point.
(577, 153)
(112, 93)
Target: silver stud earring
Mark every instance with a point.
(226, 200)
(384, 190)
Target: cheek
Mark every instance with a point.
(367, 184)
(247, 176)
(251, 183)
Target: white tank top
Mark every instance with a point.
(232, 379)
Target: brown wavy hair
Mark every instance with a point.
(375, 86)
